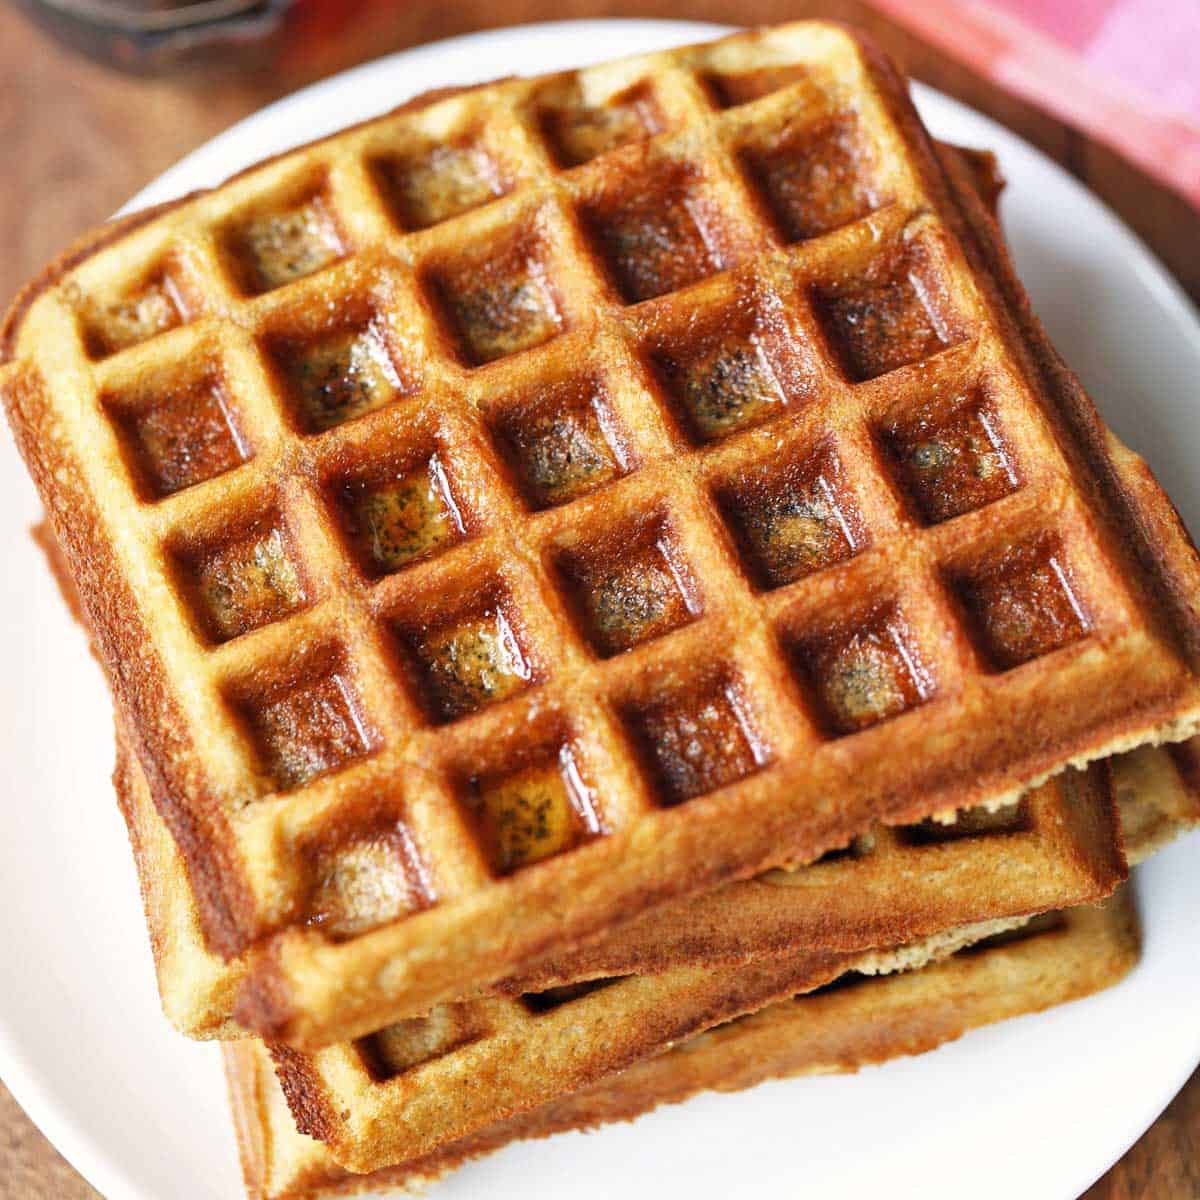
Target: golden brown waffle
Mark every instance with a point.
(196, 987)
(1053, 850)
(593, 545)
(620, 1020)
(889, 886)
(422, 1082)
(838, 1029)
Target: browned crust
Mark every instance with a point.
(86, 559)
(1100, 850)
(577, 1048)
(129, 784)
(1094, 849)
(264, 1001)
(197, 829)
(250, 1118)
(984, 170)
(80, 250)
(1186, 757)
(305, 1094)
(756, 917)
(217, 884)
(1155, 535)
(209, 1012)
(145, 708)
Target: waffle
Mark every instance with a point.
(889, 886)
(444, 487)
(1053, 850)
(424, 1082)
(1171, 774)
(851, 1024)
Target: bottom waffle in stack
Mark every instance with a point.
(848, 1012)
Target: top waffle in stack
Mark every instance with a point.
(582, 491)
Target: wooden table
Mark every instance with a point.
(78, 140)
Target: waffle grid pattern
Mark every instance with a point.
(314, 715)
(364, 1100)
(382, 1099)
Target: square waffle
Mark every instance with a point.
(855, 1022)
(197, 987)
(331, 592)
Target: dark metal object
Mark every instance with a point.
(146, 36)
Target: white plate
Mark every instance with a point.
(1038, 1107)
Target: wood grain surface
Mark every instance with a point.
(77, 140)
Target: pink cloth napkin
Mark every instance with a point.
(1125, 71)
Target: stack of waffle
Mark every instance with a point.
(607, 592)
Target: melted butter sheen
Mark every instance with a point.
(729, 387)
(1026, 608)
(698, 744)
(442, 183)
(878, 324)
(528, 816)
(308, 731)
(864, 675)
(402, 522)
(629, 598)
(651, 244)
(561, 453)
(814, 179)
(474, 663)
(956, 466)
(362, 886)
(340, 377)
(499, 306)
(248, 584)
(183, 437)
(280, 247)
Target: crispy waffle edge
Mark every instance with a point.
(268, 1003)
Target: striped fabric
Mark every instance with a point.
(1125, 71)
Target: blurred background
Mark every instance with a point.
(98, 97)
